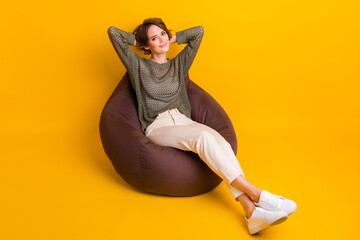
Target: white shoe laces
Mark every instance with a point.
(272, 200)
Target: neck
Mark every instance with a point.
(159, 58)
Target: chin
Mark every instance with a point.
(163, 50)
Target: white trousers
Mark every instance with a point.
(173, 129)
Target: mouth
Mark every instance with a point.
(163, 45)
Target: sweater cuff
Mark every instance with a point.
(181, 37)
(130, 39)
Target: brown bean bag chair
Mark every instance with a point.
(153, 168)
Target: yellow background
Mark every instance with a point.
(286, 72)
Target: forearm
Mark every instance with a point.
(121, 36)
(193, 37)
(190, 35)
(121, 41)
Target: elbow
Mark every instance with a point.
(201, 30)
(111, 30)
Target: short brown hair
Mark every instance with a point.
(141, 33)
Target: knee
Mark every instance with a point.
(216, 140)
(206, 138)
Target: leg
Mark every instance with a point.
(247, 204)
(252, 191)
(173, 129)
(189, 138)
(217, 153)
(212, 148)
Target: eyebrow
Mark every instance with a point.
(156, 34)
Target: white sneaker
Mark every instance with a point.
(262, 219)
(273, 202)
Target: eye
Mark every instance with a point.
(153, 38)
(163, 33)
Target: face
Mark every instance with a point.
(158, 40)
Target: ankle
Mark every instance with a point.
(255, 196)
(250, 212)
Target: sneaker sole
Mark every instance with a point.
(280, 220)
(263, 227)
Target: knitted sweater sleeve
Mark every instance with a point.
(121, 41)
(192, 37)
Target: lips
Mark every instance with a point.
(164, 45)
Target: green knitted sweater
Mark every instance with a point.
(158, 87)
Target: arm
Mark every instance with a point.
(121, 41)
(193, 37)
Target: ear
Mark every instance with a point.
(147, 47)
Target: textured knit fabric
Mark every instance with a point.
(158, 87)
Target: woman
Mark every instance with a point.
(165, 115)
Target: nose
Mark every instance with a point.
(161, 39)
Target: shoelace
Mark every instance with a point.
(273, 200)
